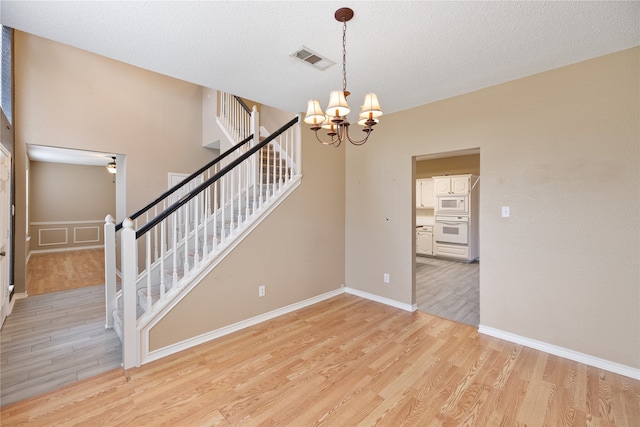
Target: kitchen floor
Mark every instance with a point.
(448, 289)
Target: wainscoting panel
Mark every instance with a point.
(52, 236)
(86, 234)
(65, 235)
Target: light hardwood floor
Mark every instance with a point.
(343, 362)
(60, 271)
(55, 339)
(448, 289)
(57, 336)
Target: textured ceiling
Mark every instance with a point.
(409, 53)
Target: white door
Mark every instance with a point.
(5, 245)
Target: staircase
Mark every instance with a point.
(175, 241)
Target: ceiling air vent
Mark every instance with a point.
(310, 57)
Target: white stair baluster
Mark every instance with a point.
(223, 228)
(155, 236)
(148, 268)
(185, 240)
(215, 217)
(174, 248)
(162, 257)
(196, 226)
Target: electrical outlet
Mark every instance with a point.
(386, 278)
(261, 291)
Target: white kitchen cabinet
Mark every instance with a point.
(424, 194)
(424, 240)
(446, 250)
(454, 184)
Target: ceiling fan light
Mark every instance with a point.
(371, 106)
(338, 106)
(314, 114)
(111, 167)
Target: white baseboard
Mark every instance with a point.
(206, 337)
(71, 248)
(576, 356)
(383, 300)
(16, 296)
(201, 339)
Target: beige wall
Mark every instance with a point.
(561, 149)
(450, 165)
(297, 253)
(66, 97)
(68, 196)
(62, 192)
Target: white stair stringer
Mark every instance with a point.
(176, 291)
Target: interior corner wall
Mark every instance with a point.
(297, 253)
(70, 98)
(450, 165)
(70, 201)
(561, 148)
(62, 192)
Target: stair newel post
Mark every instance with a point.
(297, 137)
(109, 269)
(129, 276)
(255, 159)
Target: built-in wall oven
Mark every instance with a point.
(452, 229)
(452, 205)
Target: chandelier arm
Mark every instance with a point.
(354, 141)
(333, 140)
(361, 142)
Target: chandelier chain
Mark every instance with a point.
(344, 56)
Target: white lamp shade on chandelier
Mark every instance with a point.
(371, 107)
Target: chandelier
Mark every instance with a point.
(335, 120)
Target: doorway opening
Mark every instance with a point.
(69, 194)
(447, 245)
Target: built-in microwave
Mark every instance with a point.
(452, 205)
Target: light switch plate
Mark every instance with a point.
(506, 212)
